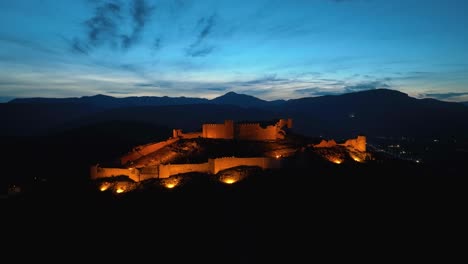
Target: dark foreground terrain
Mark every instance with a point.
(387, 209)
(294, 216)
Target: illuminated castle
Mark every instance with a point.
(241, 131)
(228, 130)
(135, 164)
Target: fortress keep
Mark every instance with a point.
(241, 131)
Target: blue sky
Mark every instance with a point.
(269, 49)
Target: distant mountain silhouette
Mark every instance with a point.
(244, 100)
(105, 101)
(379, 112)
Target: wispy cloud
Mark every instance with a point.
(107, 25)
(103, 26)
(315, 91)
(199, 48)
(218, 89)
(342, 1)
(78, 46)
(120, 92)
(145, 85)
(157, 43)
(414, 75)
(268, 79)
(445, 96)
(199, 51)
(365, 86)
(140, 13)
(25, 43)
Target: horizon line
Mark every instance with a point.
(7, 99)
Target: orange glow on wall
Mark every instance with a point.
(229, 180)
(337, 161)
(358, 157)
(169, 185)
(120, 190)
(104, 186)
(170, 182)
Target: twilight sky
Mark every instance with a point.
(272, 49)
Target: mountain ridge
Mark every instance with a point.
(232, 98)
(379, 112)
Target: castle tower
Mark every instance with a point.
(229, 129)
(176, 133)
(289, 123)
(361, 143)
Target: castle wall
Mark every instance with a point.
(229, 126)
(213, 166)
(225, 131)
(226, 163)
(177, 133)
(326, 144)
(191, 135)
(98, 172)
(149, 172)
(229, 130)
(168, 170)
(358, 143)
(284, 123)
(143, 150)
(131, 156)
(255, 132)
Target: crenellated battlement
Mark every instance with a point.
(358, 144)
(213, 124)
(246, 131)
(248, 124)
(212, 166)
